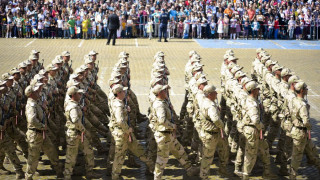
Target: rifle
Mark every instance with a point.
(69, 68)
(261, 113)
(43, 118)
(98, 66)
(42, 63)
(83, 104)
(2, 119)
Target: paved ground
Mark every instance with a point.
(303, 61)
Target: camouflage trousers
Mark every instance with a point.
(252, 147)
(74, 145)
(168, 143)
(274, 126)
(7, 148)
(302, 144)
(240, 152)
(151, 145)
(196, 144)
(210, 142)
(19, 137)
(122, 144)
(36, 144)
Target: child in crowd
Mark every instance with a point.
(66, 32)
(186, 24)
(203, 29)
(213, 26)
(238, 28)
(180, 29)
(40, 29)
(78, 27)
(60, 26)
(129, 27)
(99, 29)
(53, 27)
(28, 29)
(34, 26)
(194, 27)
(233, 24)
(298, 29)
(270, 27)
(94, 29)
(246, 27)
(123, 25)
(85, 24)
(149, 28)
(220, 27)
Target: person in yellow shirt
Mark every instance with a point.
(85, 24)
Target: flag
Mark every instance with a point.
(34, 31)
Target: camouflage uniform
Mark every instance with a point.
(124, 140)
(299, 133)
(36, 136)
(76, 136)
(210, 135)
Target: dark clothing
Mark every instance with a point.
(164, 18)
(113, 25)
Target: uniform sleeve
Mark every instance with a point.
(213, 114)
(33, 119)
(75, 115)
(253, 113)
(303, 112)
(161, 115)
(120, 119)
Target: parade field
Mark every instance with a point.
(302, 57)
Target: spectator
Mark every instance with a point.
(270, 27)
(60, 26)
(180, 29)
(225, 26)
(149, 28)
(94, 29)
(276, 27)
(53, 28)
(255, 26)
(212, 29)
(66, 31)
(40, 29)
(71, 23)
(85, 26)
(291, 27)
(105, 26)
(233, 24)
(220, 27)
(129, 27)
(46, 28)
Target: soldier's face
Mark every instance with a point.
(77, 97)
(66, 58)
(53, 73)
(9, 83)
(121, 95)
(17, 76)
(29, 67)
(90, 66)
(34, 62)
(22, 70)
(94, 57)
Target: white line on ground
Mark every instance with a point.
(80, 44)
(136, 40)
(30, 42)
(277, 44)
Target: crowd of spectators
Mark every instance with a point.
(223, 19)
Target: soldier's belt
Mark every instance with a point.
(301, 128)
(166, 132)
(250, 125)
(36, 130)
(211, 132)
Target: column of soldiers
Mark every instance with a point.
(256, 109)
(37, 114)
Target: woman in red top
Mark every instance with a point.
(276, 28)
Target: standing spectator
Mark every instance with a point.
(113, 25)
(99, 29)
(105, 26)
(28, 29)
(66, 31)
(246, 27)
(298, 31)
(129, 27)
(180, 29)
(291, 27)
(94, 29)
(270, 27)
(156, 16)
(123, 27)
(71, 23)
(46, 28)
(172, 27)
(194, 22)
(60, 26)
(255, 26)
(225, 26)
(53, 28)
(78, 27)
(85, 24)
(186, 24)
(149, 28)
(164, 18)
(9, 23)
(220, 27)
(260, 19)
(238, 28)
(40, 29)
(228, 11)
(213, 27)
(203, 29)
(276, 27)
(34, 26)
(18, 22)
(233, 24)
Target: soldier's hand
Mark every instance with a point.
(84, 109)
(130, 130)
(260, 126)
(308, 125)
(71, 70)
(128, 109)
(5, 107)
(174, 127)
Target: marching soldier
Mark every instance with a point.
(76, 135)
(123, 134)
(301, 131)
(165, 135)
(36, 134)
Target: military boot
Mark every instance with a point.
(59, 171)
(193, 171)
(245, 177)
(223, 172)
(283, 170)
(19, 174)
(268, 175)
(237, 170)
(92, 175)
(132, 162)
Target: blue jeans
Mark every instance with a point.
(270, 33)
(276, 33)
(46, 32)
(291, 33)
(129, 32)
(254, 34)
(105, 32)
(60, 32)
(40, 33)
(66, 33)
(163, 31)
(89, 33)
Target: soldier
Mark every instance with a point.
(253, 132)
(211, 131)
(123, 134)
(76, 135)
(301, 131)
(36, 134)
(23, 79)
(165, 136)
